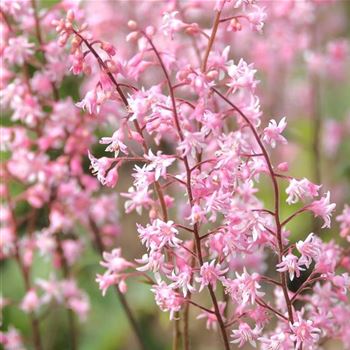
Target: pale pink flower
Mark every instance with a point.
(105, 170)
(243, 289)
(80, 304)
(324, 209)
(137, 199)
(309, 249)
(30, 302)
(159, 163)
(272, 133)
(245, 334)
(242, 75)
(304, 332)
(51, 289)
(197, 215)
(159, 234)
(167, 298)
(154, 261)
(11, 340)
(210, 273)
(115, 143)
(72, 250)
(257, 16)
(274, 341)
(291, 264)
(301, 189)
(92, 101)
(105, 281)
(114, 262)
(171, 24)
(19, 49)
(183, 280)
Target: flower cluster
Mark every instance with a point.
(187, 116)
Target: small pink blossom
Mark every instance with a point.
(159, 163)
(242, 75)
(159, 234)
(115, 143)
(324, 209)
(30, 302)
(291, 264)
(301, 189)
(309, 249)
(245, 334)
(272, 134)
(167, 298)
(114, 262)
(171, 24)
(243, 289)
(210, 273)
(304, 332)
(19, 49)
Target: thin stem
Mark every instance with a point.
(211, 41)
(200, 307)
(285, 222)
(266, 306)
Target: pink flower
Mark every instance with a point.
(244, 334)
(291, 264)
(243, 289)
(105, 281)
(154, 261)
(183, 279)
(114, 262)
(51, 290)
(92, 101)
(304, 333)
(30, 302)
(11, 339)
(72, 250)
(103, 168)
(301, 189)
(171, 24)
(209, 274)
(159, 234)
(159, 163)
(274, 341)
(242, 75)
(197, 215)
(323, 208)
(256, 17)
(166, 298)
(19, 49)
(344, 220)
(309, 249)
(272, 134)
(115, 143)
(80, 305)
(137, 199)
